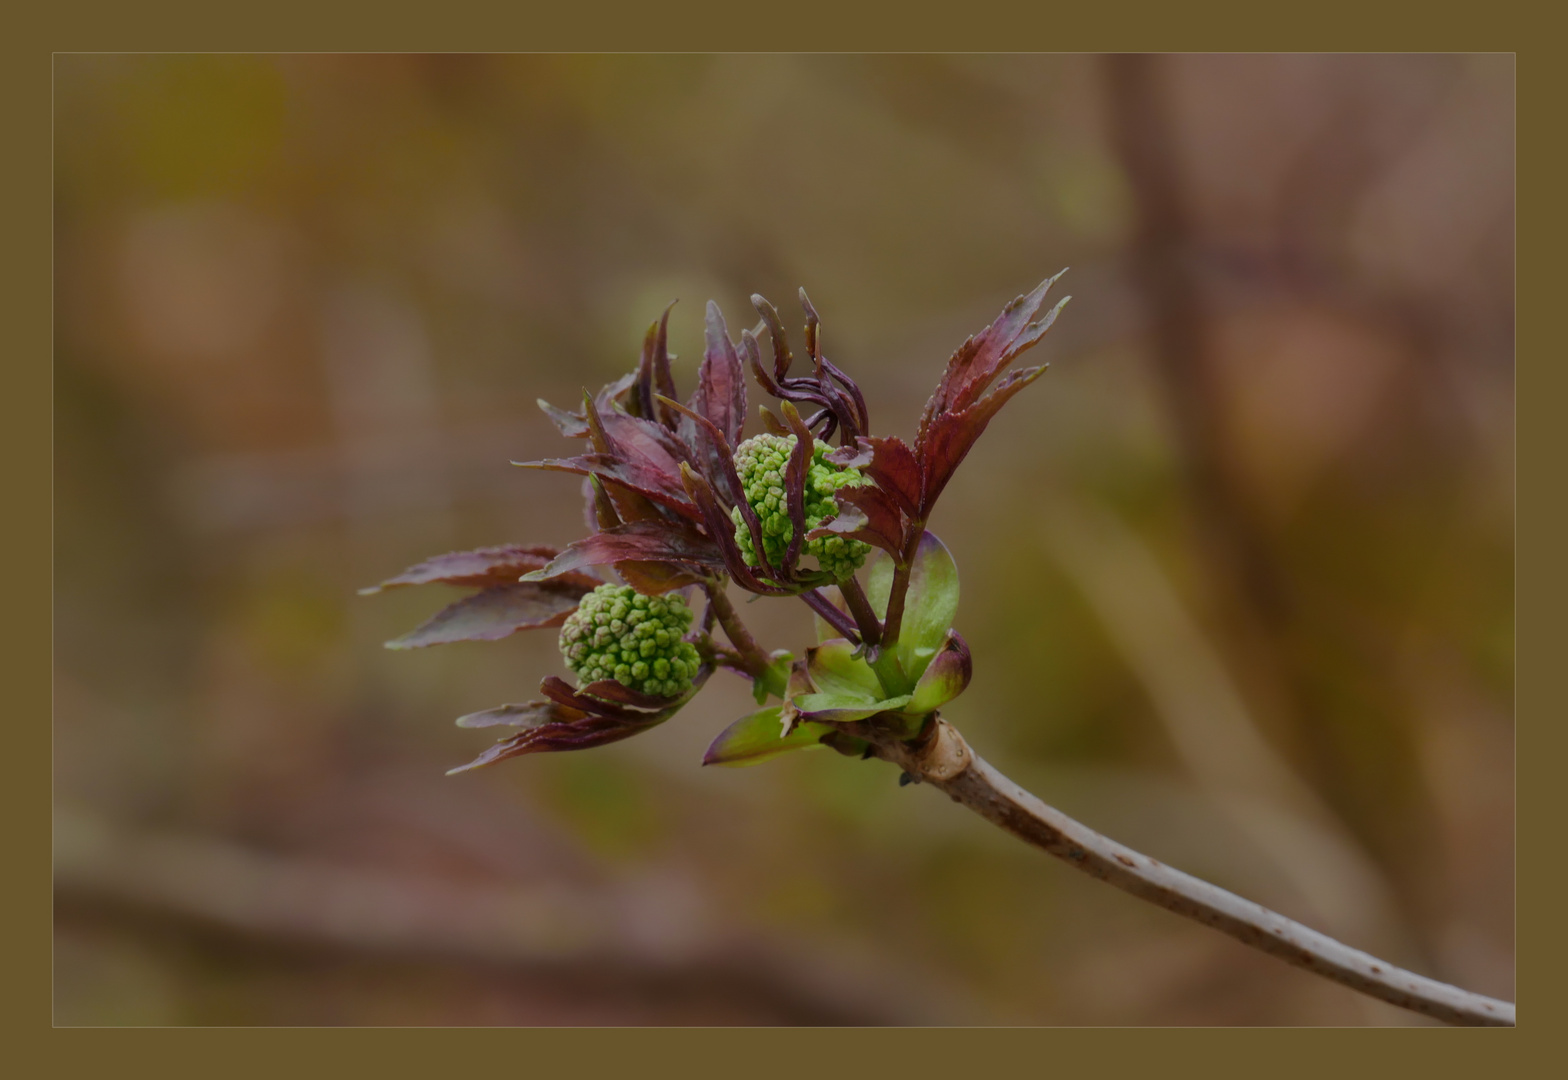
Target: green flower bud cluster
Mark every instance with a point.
(761, 462)
(617, 633)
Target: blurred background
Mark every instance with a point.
(1237, 573)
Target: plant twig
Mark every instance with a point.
(860, 607)
(944, 760)
(752, 656)
(294, 905)
(893, 625)
(831, 615)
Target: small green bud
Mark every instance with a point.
(761, 462)
(617, 633)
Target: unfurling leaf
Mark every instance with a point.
(555, 727)
(952, 437)
(890, 462)
(961, 407)
(635, 541)
(945, 677)
(979, 360)
(721, 386)
(760, 736)
(868, 514)
(834, 668)
(606, 697)
(479, 568)
(531, 714)
(495, 613)
(652, 578)
(571, 719)
(640, 477)
(572, 425)
(843, 708)
(844, 687)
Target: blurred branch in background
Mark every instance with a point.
(627, 935)
(1268, 622)
(1242, 570)
(1206, 719)
(1327, 871)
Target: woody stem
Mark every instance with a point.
(756, 663)
(902, 567)
(943, 760)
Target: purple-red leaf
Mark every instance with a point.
(484, 566)
(663, 381)
(713, 456)
(961, 407)
(953, 434)
(946, 676)
(496, 613)
(721, 386)
(776, 337)
(636, 541)
(609, 698)
(715, 475)
(572, 425)
(576, 720)
(867, 514)
(531, 714)
(629, 505)
(641, 448)
(610, 690)
(980, 359)
(889, 462)
(661, 487)
(563, 693)
(795, 472)
(646, 441)
(643, 399)
(555, 727)
(615, 391)
(575, 425)
(653, 578)
(605, 515)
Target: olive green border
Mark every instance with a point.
(1017, 25)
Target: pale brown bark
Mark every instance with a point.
(944, 760)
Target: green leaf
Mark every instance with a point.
(842, 708)
(845, 686)
(836, 670)
(929, 606)
(945, 677)
(758, 737)
(776, 679)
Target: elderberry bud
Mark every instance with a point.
(761, 462)
(617, 633)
